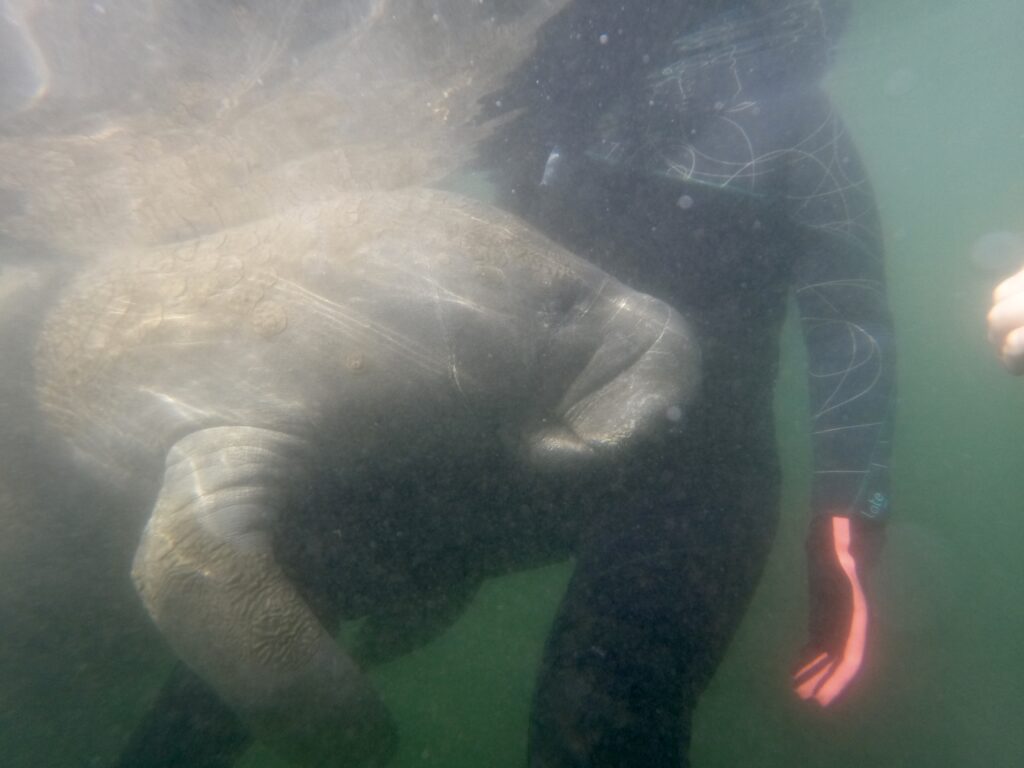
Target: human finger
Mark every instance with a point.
(1005, 316)
(1013, 351)
(1010, 286)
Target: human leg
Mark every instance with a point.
(656, 596)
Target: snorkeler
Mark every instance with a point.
(1006, 322)
(689, 149)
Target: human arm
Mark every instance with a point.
(840, 290)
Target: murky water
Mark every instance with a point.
(931, 92)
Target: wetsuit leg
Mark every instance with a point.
(657, 594)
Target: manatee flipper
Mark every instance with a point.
(206, 572)
(188, 726)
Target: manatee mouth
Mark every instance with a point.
(556, 447)
(561, 439)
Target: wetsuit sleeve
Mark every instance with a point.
(847, 327)
(840, 291)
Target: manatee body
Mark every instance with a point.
(220, 382)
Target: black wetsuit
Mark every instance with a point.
(689, 149)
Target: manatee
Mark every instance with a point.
(185, 117)
(298, 382)
(220, 383)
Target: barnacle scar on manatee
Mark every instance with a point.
(356, 362)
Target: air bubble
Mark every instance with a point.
(685, 202)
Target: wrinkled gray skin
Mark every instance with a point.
(220, 381)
